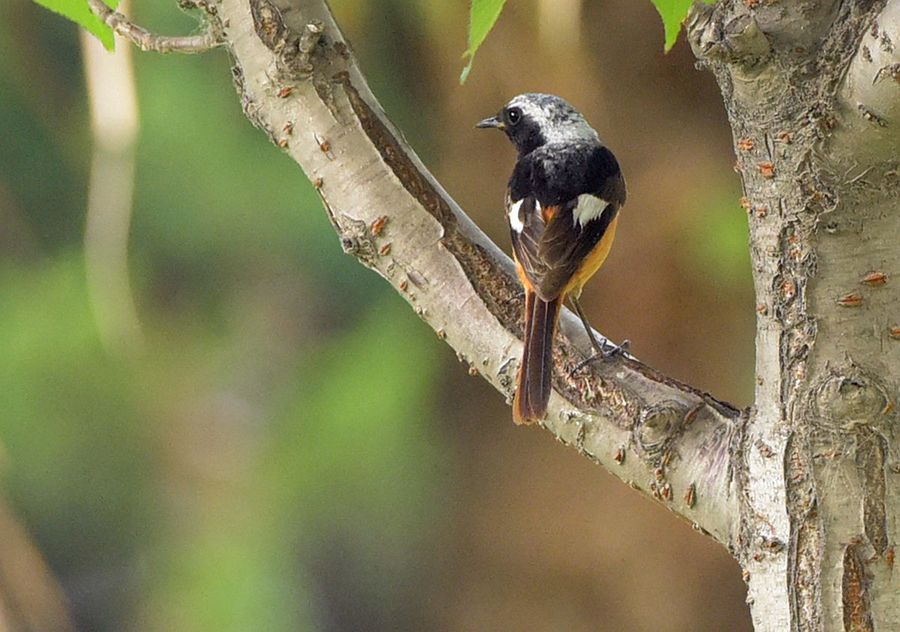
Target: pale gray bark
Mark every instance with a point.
(298, 81)
(804, 488)
(812, 95)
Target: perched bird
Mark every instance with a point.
(562, 206)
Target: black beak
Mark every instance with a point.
(491, 122)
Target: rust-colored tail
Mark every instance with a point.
(533, 383)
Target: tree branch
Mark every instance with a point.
(299, 83)
(869, 94)
(147, 41)
(114, 122)
(802, 490)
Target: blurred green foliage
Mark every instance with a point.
(718, 242)
(199, 484)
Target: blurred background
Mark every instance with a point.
(212, 419)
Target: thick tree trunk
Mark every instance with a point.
(812, 93)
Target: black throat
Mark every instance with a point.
(526, 136)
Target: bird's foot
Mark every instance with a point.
(606, 351)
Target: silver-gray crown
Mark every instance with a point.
(558, 120)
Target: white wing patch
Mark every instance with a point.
(515, 221)
(589, 207)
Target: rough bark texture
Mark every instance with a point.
(812, 94)
(299, 83)
(804, 488)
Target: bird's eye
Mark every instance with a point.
(514, 115)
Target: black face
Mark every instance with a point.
(524, 132)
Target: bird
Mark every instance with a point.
(562, 206)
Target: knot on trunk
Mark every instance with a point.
(716, 35)
(848, 397)
(657, 425)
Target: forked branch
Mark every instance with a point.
(299, 82)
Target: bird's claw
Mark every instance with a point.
(607, 351)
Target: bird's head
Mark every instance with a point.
(531, 120)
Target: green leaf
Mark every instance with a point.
(79, 12)
(673, 13)
(482, 16)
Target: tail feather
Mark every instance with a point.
(533, 383)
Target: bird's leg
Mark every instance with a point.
(603, 351)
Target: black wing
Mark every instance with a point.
(560, 203)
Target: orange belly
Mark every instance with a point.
(593, 261)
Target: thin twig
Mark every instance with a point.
(147, 41)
